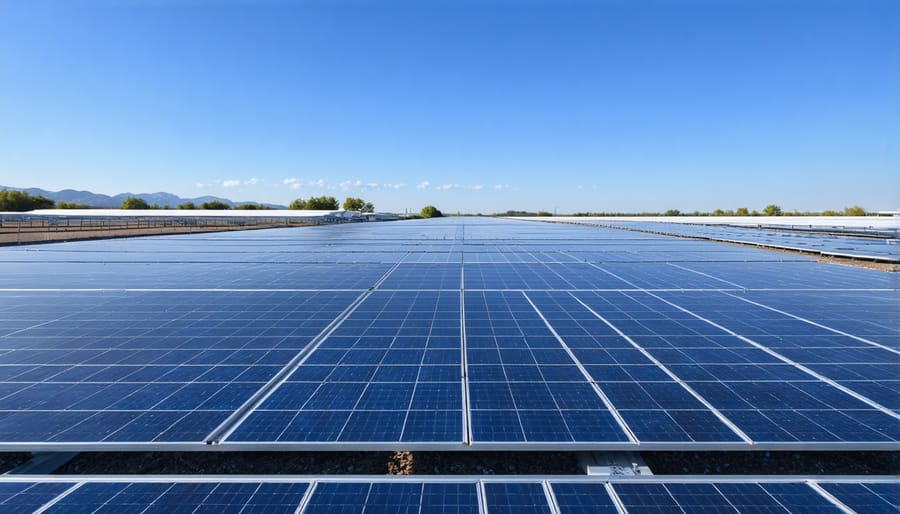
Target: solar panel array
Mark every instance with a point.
(879, 244)
(459, 495)
(460, 333)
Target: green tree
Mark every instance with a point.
(742, 211)
(71, 205)
(856, 210)
(772, 210)
(320, 203)
(133, 202)
(20, 201)
(829, 212)
(187, 206)
(430, 211)
(358, 204)
(215, 205)
(672, 212)
(252, 207)
(544, 214)
(718, 212)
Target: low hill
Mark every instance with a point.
(100, 200)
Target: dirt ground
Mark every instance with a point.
(472, 463)
(10, 460)
(52, 236)
(880, 266)
(326, 463)
(773, 463)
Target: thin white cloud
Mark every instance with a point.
(477, 187)
(200, 185)
(293, 183)
(251, 182)
(423, 185)
(345, 185)
(446, 187)
(501, 187)
(393, 186)
(231, 183)
(373, 185)
(318, 183)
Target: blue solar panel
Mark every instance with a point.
(640, 498)
(721, 497)
(795, 275)
(424, 276)
(872, 498)
(583, 498)
(458, 495)
(167, 498)
(828, 240)
(160, 340)
(768, 400)
(27, 497)
(146, 366)
(797, 497)
(666, 275)
(847, 360)
(393, 497)
(229, 275)
(523, 385)
(391, 372)
(516, 498)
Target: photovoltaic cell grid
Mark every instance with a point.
(148, 366)
(812, 239)
(523, 384)
(461, 495)
(446, 333)
(391, 372)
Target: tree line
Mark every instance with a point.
(769, 210)
(22, 201)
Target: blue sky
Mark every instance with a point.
(469, 106)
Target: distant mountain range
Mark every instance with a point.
(100, 200)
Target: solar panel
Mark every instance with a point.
(583, 498)
(27, 497)
(458, 333)
(714, 497)
(768, 397)
(523, 384)
(837, 240)
(147, 366)
(868, 314)
(874, 498)
(830, 353)
(457, 494)
(181, 275)
(393, 497)
(167, 497)
(390, 372)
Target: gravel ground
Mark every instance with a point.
(325, 463)
(773, 463)
(10, 460)
(50, 235)
(478, 463)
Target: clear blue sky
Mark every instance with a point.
(470, 106)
